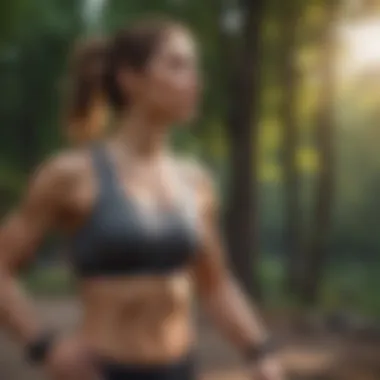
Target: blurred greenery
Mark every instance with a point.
(49, 281)
(36, 38)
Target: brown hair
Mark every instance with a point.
(94, 69)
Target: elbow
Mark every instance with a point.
(7, 271)
(7, 281)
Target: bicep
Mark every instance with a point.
(19, 236)
(211, 267)
(24, 229)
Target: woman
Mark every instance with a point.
(141, 225)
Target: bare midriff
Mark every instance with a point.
(138, 319)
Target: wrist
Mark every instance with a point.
(38, 348)
(258, 351)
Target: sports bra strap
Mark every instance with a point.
(104, 170)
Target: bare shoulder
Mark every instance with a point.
(201, 179)
(197, 173)
(60, 170)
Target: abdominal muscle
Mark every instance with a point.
(137, 320)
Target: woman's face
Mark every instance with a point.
(169, 86)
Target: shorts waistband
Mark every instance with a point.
(181, 369)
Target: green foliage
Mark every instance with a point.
(12, 16)
(36, 37)
(32, 62)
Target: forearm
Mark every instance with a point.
(16, 312)
(231, 312)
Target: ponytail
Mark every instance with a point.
(86, 104)
(93, 82)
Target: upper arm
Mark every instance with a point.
(37, 213)
(211, 267)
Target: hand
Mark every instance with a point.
(69, 359)
(266, 369)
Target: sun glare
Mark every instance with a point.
(361, 47)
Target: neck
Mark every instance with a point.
(143, 136)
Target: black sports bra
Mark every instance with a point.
(116, 240)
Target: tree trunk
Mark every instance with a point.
(318, 252)
(292, 232)
(242, 128)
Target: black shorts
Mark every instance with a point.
(183, 369)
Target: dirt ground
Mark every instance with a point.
(306, 356)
